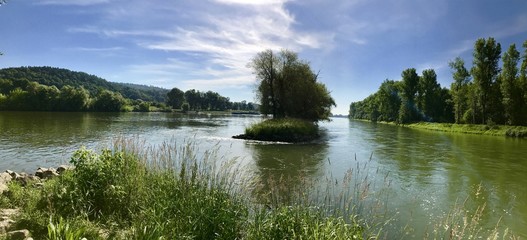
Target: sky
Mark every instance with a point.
(207, 44)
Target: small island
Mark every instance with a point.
(288, 90)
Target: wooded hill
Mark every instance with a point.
(59, 77)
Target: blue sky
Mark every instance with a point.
(206, 44)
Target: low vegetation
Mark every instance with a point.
(132, 192)
(282, 129)
(494, 130)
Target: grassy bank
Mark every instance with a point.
(135, 192)
(479, 129)
(283, 130)
(494, 130)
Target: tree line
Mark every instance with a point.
(32, 96)
(485, 94)
(59, 77)
(205, 101)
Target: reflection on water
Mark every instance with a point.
(429, 171)
(287, 167)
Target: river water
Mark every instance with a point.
(422, 174)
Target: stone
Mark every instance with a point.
(18, 234)
(63, 168)
(5, 219)
(5, 177)
(13, 174)
(45, 173)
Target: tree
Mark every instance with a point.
(389, 101)
(410, 81)
(175, 97)
(73, 99)
(485, 71)
(429, 96)
(289, 88)
(108, 101)
(510, 87)
(264, 66)
(193, 99)
(459, 88)
(523, 85)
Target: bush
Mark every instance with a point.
(106, 186)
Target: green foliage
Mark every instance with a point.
(206, 101)
(300, 222)
(61, 231)
(107, 101)
(493, 96)
(98, 184)
(460, 89)
(284, 129)
(142, 107)
(185, 107)
(73, 99)
(485, 71)
(58, 77)
(175, 98)
(511, 87)
(289, 88)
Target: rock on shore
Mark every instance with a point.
(36, 179)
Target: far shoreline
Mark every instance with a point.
(474, 129)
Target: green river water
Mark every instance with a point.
(419, 175)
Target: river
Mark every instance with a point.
(422, 174)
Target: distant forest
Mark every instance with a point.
(56, 89)
(486, 94)
(59, 78)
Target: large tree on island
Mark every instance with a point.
(287, 87)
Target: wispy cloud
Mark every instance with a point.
(225, 36)
(108, 49)
(71, 2)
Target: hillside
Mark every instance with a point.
(60, 77)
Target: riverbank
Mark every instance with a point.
(133, 192)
